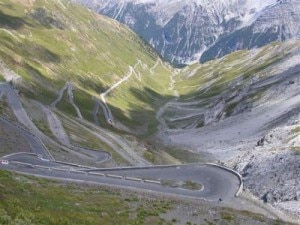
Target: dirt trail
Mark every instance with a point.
(155, 65)
(158, 61)
(106, 110)
(159, 114)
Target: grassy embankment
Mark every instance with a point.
(28, 200)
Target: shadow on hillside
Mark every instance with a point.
(42, 16)
(141, 117)
(90, 84)
(29, 50)
(39, 53)
(11, 22)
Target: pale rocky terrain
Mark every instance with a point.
(261, 141)
(272, 171)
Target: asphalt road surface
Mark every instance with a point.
(218, 184)
(31, 159)
(23, 118)
(36, 145)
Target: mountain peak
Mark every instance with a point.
(183, 31)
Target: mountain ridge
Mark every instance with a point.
(184, 31)
(241, 109)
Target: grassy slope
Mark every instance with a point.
(51, 46)
(28, 200)
(242, 64)
(225, 78)
(49, 43)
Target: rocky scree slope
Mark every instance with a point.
(187, 31)
(209, 107)
(244, 110)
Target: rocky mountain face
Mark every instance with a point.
(186, 31)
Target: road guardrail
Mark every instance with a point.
(133, 179)
(152, 181)
(96, 174)
(114, 176)
(233, 172)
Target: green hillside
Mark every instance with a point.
(51, 45)
(236, 81)
(51, 42)
(28, 200)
